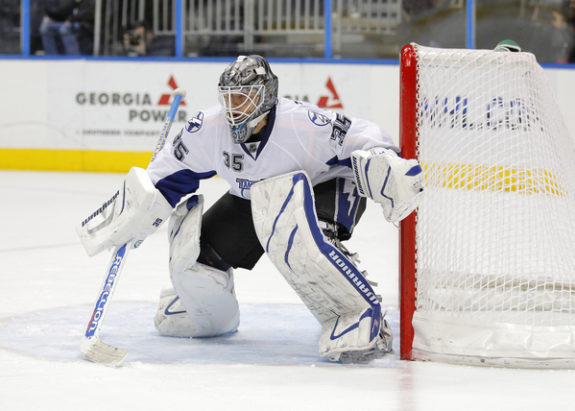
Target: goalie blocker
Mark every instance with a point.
(327, 281)
(133, 212)
(386, 178)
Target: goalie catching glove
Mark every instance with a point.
(386, 178)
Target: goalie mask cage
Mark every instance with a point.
(488, 262)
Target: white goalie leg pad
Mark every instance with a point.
(386, 178)
(206, 296)
(184, 233)
(133, 212)
(329, 284)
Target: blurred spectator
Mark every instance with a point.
(415, 8)
(139, 40)
(67, 26)
(136, 40)
(549, 35)
(569, 13)
(9, 26)
(83, 22)
(560, 37)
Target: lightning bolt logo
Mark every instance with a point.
(195, 123)
(349, 189)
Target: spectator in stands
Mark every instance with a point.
(560, 37)
(9, 27)
(140, 41)
(67, 26)
(569, 14)
(136, 40)
(83, 24)
(414, 8)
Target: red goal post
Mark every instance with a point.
(487, 264)
(407, 132)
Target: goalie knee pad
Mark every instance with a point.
(203, 305)
(131, 214)
(322, 273)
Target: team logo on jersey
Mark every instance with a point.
(318, 119)
(195, 123)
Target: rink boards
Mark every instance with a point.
(88, 115)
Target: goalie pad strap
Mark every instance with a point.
(330, 285)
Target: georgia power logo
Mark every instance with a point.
(332, 100)
(329, 100)
(166, 98)
(141, 106)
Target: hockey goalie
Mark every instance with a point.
(299, 178)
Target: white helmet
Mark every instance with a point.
(248, 90)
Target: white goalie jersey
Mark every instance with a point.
(297, 136)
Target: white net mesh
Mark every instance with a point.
(496, 229)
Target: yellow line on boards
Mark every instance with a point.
(72, 160)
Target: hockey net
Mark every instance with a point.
(487, 262)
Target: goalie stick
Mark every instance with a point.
(93, 348)
(178, 94)
(91, 345)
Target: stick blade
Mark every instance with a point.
(99, 352)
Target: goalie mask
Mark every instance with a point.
(248, 90)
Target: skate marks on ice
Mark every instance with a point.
(274, 334)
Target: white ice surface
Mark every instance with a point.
(48, 286)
